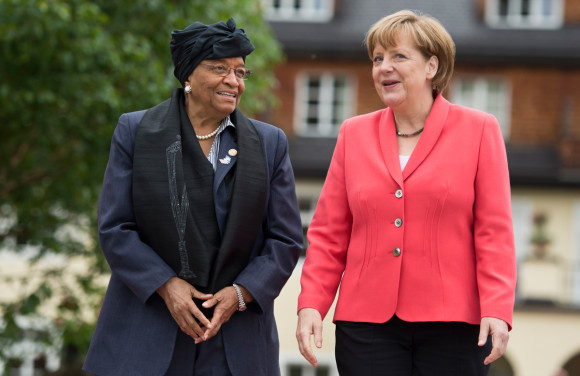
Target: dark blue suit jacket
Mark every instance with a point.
(135, 333)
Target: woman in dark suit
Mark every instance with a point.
(413, 222)
(198, 220)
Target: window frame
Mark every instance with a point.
(326, 95)
(515, 19)
(306, 11)
(522, 214)
(307, 191)
(575, 260)
(481, 94)
(288, 359)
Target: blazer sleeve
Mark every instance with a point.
(267, 273)
(493, 228)
(135, 263)
(328, 236)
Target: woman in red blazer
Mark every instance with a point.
(413, 222)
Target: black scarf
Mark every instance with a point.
(173, 185)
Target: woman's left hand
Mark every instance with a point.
(498, 329)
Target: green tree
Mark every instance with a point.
(69, 68)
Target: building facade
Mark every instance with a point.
(517, 59)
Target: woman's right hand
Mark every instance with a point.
(309, 323)
(178, 296)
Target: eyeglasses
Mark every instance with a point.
(224, 70)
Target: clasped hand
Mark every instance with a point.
(178, 296)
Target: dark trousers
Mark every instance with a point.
(400, 348)
(204, 359)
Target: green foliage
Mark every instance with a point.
(69, 68)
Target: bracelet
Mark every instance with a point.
(241, 303)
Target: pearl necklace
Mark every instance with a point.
(409, 134)
(208, 136)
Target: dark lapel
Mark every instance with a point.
(225, 176)
(225, 160)
(182, 229)
(248, 203)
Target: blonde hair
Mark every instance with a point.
(428, 35)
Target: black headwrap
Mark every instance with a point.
(198, 42)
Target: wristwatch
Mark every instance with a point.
(241, 303)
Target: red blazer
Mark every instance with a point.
(431, 243)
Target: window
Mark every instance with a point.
(291, 364)
(539, 14)
(299, 10)
(306, 206)
(324, 101)
(491, 95)
(307, 370)
(576, 255)
(308, 194)
(522, 214)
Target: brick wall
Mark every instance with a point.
(571, 12)
(545, 102)
(366, 97)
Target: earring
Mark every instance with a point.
(187, 89)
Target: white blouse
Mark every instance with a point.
(404, 159)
